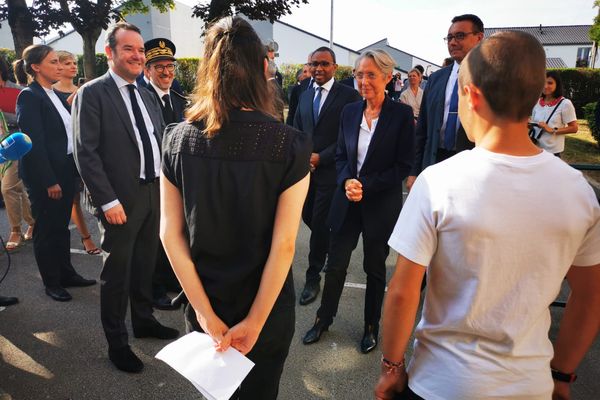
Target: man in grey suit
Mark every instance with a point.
(117, 129)
(439, 134)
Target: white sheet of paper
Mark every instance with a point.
(216, 375)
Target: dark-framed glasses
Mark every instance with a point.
(161, 68)
(323, 64)
(459, 36)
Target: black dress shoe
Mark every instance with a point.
(57, 293)
(163, 303)
(310, 292)
(8, 301)
(314, 334)
(156, 331)
(77, 281)
(369, 339)
(125, 359)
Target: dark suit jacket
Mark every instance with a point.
(348, 82)
(178, 101)
(431, 118)
(388, 162)
(324, 133)
(38, 118)
(295, 98)
(106, 150)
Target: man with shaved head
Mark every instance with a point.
(496, 238)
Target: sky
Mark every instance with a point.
(418, 26)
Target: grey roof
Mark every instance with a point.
(385, 43)
(555, 62)
(552, 35)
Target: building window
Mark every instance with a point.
(583, 57)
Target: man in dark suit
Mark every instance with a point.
(160, 70)
(297, 90)
(350, 81)
(117, 129)
(439, 134)
(318, 115)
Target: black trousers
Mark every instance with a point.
(342, 244)
(51, 235)
(407, 394)
(314, 215)
(129, 260)
(269, 353)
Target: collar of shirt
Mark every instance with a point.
(120, 81)
(326, 86)
(64, 115)
(161, 93)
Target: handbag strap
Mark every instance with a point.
(555, 107)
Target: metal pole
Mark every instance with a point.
(331, 28)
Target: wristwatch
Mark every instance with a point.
(554, 130)
(562, 377)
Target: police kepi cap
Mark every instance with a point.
(159, 49)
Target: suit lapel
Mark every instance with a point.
(307, 105)
(381, 128)
(447, 72)
(153, 116)
(38, 88)
(115, 96)
(352, 138)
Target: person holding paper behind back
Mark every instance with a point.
(233, 183)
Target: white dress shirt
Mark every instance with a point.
(161, 93)
(324, 92)
(124, 91)
(365, 134)
(64, 115)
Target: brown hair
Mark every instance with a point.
(230, 75)
(510, 88)
(33, 54)
(111, 33)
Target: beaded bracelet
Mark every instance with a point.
(391, 367)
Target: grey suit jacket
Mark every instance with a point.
(106, 149)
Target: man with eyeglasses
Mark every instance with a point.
(439, 133)
(318, 115)
(160, 70)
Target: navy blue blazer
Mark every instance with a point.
(37, 117)
(388, 162)
(431, 118)
(324, 134)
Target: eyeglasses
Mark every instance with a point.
(459, 36)
(323, 64)
(168, 67)
(369, 76)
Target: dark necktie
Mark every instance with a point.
(317, 104)
(168, 114)
(452, 121)
(141, 125)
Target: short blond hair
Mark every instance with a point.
(63, 55)
(381, 58)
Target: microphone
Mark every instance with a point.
(14, 147)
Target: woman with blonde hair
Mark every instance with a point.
(66, 89)
(233, 183)
(374, 155)
(413, 95)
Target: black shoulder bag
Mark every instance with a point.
(535, 138)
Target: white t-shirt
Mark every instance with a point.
(498, 234)
(564, 114)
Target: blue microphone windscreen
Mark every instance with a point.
(15, 146)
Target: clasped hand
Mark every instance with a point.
(354, 191)
(242, 336)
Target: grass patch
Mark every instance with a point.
(582, 148)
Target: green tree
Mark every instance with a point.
(271, 10)
(595, 29)
(27, 22)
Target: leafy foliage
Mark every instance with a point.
(595, 29)
(589, 113)
(258, 9)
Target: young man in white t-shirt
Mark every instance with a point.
(498, 228)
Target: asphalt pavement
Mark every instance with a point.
(57, 351)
